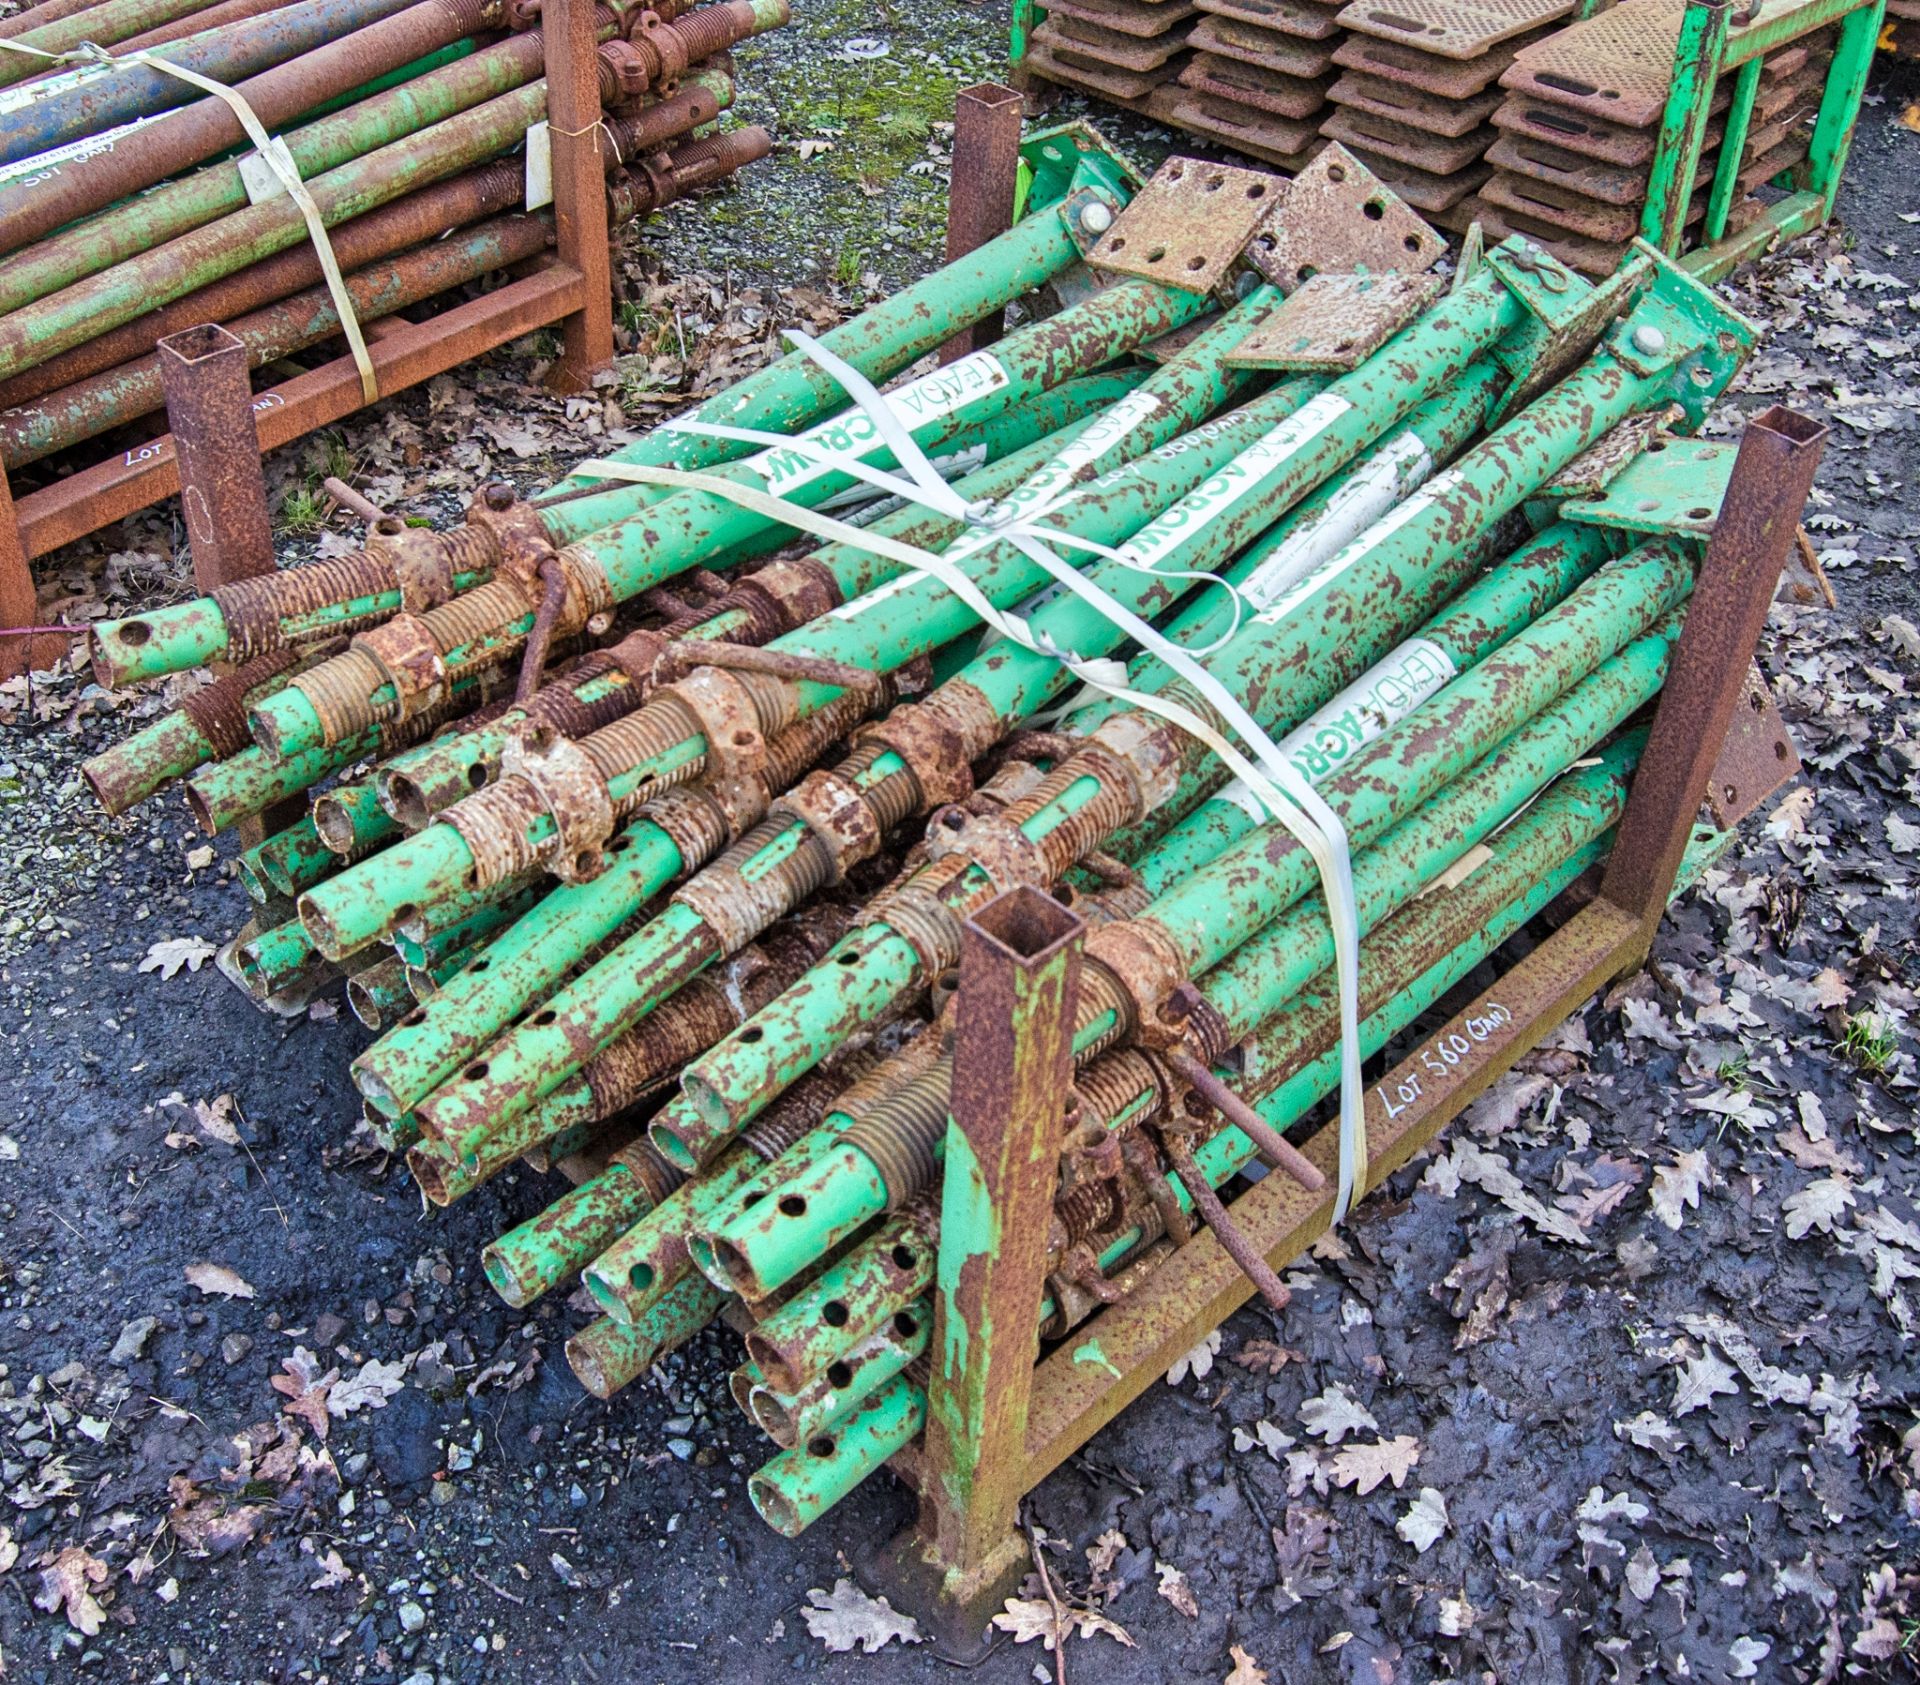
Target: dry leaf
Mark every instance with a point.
(167, 956)
(369, 1390)
(1816, 1206)
(1678, 1185)
(1425, 1520)
(306, 1389)
(214, 1120)
(1702, 1379)
(847, 1617)
(1197, 1362)
(1246, 1671)
(333, 1572)
(67, 1582)
(217, 1278)
(1266, 1357)
(1265, 1435)
(1332, 1415)
(1177, 1589)
(1032, 1617)
(1363, 1467)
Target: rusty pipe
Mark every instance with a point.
(214, 17)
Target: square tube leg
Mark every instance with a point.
(980, 190)
(223, 491)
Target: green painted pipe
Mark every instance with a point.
(378, 993)
(271, 959)
(792, 1419)
(290, 860)
(534, 1258)
(645, 549)
(225, 792)
(790, 393)
(606, 1355)
(1014, 444)
(796, 1488)
(826, 1197)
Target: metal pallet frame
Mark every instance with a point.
(997, 1423)
(573, 288)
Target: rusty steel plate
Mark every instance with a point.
(1285, 55)
(1591, 218)
(1446, 78)
(1616, 65)
(1596, 467)
(1399, 103)
(1282, 96)
(1128, 17)
(1335, 322)
(1432, 196)
(1074, 39)
(1454, 29)
(1412, 147)
(1460, 216)
(1757, 757)
(1675, 486)
(1279, 140)
(1591, 258)
(1289, 17)
(1337, 215)
(1118, 86)
(1541, 161)
(1188, 226)
(1589, 136)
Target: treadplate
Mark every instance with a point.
(1445, 78)
(1127, 17)
(1432, 196)
(1455, 29)
(1415, 148)
(1289, 17)
(1335, 322)
(1616, 65)
(1119, 86)
(1449, 118)
(1755, 760)
(1075, 38)
(1675, 486)
(1287, 144)
(1285, 55)
(1338, 215)
(1284, 96)
(1188, 226)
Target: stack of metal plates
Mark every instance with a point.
(1259, 77)
(1579, 123)
(1121, 50)
(1417, 90)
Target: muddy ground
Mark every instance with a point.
(1644, 1319)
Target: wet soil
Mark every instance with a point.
(1665, 1449)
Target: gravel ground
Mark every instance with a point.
(1666, 1412)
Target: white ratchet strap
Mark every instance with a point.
(276, 161)
(1287, 796)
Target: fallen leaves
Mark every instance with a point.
(168, 955)
(68, 1578)
(1702, 1379)
(846, 1618)
(1365, 1466)
(217, 1279)
(1177, 1589)
(1333, 1414)
(1197, 1363)
(1816, 1206)
(1424, 1521)
(1246, 1671)
(1028, 1618)
(1678, 1185)
(319, 1399)
(1266, 1357)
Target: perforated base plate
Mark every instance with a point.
(1677, 488)
(1455, 29)
(1396, 102)
(1188, 226)
(1338, 215)
(1336, 322)
(1280, 96)
(1286, 55)
(1409, 146)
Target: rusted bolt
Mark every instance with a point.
(497, 495)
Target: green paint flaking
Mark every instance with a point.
(1090, 1352)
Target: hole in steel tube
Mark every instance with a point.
(1780, 750)
(1699, 514)
(821, 1445)
(834, 1313)
(476, 775)
(476, 1071)
(906, 1325)
(1336, 172)
(479, 966)
(1731, 795)
(849, 959)
(417, 1016)
(1756, 702)
(839, 1375)
(135, 633)
(1156, 254)
(1196, 263)
(403, 912)
(751, 1036)
(905, 1256)
(1411, 242)
(1117, 243)
(585, 861)
(545, 1016)
(792, 1205)
(1304, 273)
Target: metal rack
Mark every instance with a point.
(573, 290)
(998, 1423)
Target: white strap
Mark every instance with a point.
(1282, 791)
(277, 159)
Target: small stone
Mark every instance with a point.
(133, 1339)
(441, 1493)
(681, 1448)
(236, 1346)
(412, 1617)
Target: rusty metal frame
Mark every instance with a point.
(981, 185)
(223, 492)
(1070, 1395)
(573, 289)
